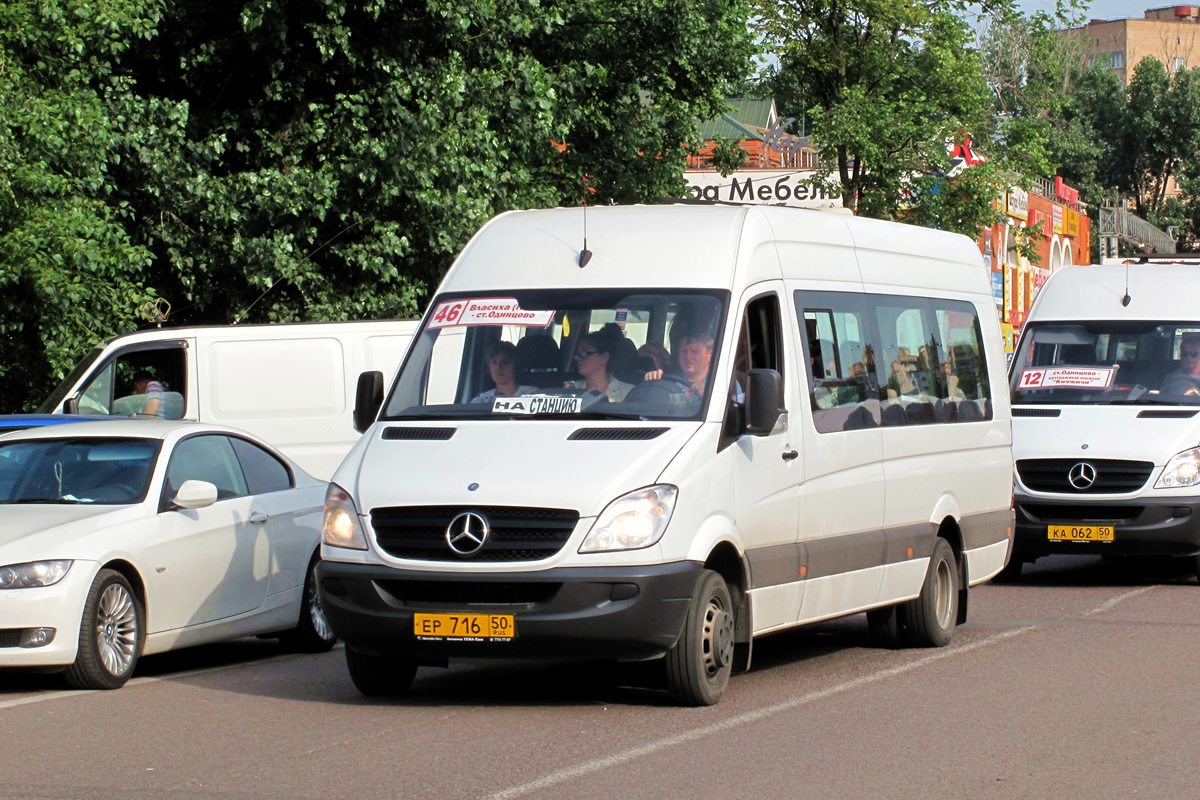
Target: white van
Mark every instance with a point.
(825, 439)
(293, 384)
(1106, 414)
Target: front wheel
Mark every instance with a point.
(931, 617)
(110, 635)
(380, 675)
(699, 665)
(312, 633)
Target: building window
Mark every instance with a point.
(1177, 64)
(1118, 59)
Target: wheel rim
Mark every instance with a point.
(717, 640)
(316, 613)
(945, 593)
(116, 629)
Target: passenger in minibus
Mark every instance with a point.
(593, 356)
(1186, 380)
(501, 358)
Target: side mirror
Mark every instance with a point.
(71, 405)
(195, 494)
(764, 401)
(368, 399)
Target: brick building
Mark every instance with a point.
(1170, 33)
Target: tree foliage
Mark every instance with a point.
(888, 86)
(264, 161)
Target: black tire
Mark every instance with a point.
(1011, 572)
(380, 675)
(699, 665)
(111, 634)
(931, 617)
(886, 626)
(312, 633)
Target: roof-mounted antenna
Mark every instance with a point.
(1126, 299)
(585, 255)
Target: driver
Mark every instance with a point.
(1186, 379)
(694, 353)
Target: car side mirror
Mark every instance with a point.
(368, 399)
(764, 401)
(195, 494)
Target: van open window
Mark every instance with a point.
(1105, 362)
(636, 354)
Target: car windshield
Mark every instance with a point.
(108, 471)
(1105, 362)
(619, 354)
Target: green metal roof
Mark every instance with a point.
(746, 118)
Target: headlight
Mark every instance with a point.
(1182, 470)
(35, 573)
(342, 528)
(632, 521)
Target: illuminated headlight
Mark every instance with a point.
(632, 521)
(1182, 470)
(342, 528)
(33, 574)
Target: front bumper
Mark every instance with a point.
(59, 607)
(1145, 526)
(576, 612)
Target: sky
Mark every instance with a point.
(1103, 9)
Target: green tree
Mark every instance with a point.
(888, 86)
(69, 272)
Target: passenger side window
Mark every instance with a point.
(264, 472)
(965, 386)
(840, 351)
(760, 345)
(206, 458)
(140, 381)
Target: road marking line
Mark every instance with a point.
(595, 765)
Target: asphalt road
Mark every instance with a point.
(1078, 682)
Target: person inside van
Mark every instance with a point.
(902, 382)
(694, 352)
(1186, 380)
(657, 353)
(501, 358)
(593, 355)
(144, 383)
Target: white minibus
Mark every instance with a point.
(1106, 414)
(659, 432)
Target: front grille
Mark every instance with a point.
(1112, 476)
(10, 637)
(458, 594)
(1036, 412)
(516, 534)
(1078, 513)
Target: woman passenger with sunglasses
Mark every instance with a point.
(592, 356)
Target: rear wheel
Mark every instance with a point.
(312, 633)
(110, 635)
(931, 617)
(699, 664)
(380, 675)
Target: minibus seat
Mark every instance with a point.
(626, 365)
(894, 415)
(539, 358)
(1078, 355)
(921, 413)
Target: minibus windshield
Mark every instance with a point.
(586, 353)
(1106, 362)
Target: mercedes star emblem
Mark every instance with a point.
(1082, 475)
(467, 533)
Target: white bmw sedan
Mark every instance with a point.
(131, 537)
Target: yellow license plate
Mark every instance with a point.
(464, 627)
(1082, 533)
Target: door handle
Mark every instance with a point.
(258, 518)
(788, 455)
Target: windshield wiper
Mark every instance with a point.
(41, 501)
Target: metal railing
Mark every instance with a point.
(1117, 224)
